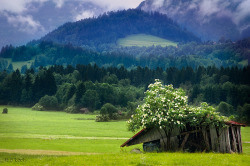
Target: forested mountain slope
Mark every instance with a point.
(109, 27)
(190, 54)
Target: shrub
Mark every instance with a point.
(38, 107)
(225, 109)
(49, 102)
(71, 109)
(109, 110)
(102, 118)
(5, 111)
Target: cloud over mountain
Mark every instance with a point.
(225, 18)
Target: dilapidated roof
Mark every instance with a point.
(136, 135)
(235, 123)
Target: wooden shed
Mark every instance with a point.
(206, 138)
(84, 110)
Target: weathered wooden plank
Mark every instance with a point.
(236, 139)
(214, 138)
(227, 139)
(206, 139)
(174, 142)
(222, 147)
(239, 140)
(234, 148)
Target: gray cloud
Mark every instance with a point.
(19, 12)
(83, 15)
(24, 23)
(237, 10)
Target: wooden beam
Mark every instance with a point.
(184, 141)
(189, 132)
(234, 148)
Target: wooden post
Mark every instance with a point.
(240, 139)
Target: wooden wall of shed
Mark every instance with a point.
(174, 144)
(225, 140)
(235, 139)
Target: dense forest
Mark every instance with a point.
(224, 53)
(108, 28)
(89, 86)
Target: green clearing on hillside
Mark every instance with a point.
(141, 40)
(19, 64)
(24, 130)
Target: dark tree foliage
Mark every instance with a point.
(185, 55)
(80, 90)
(7, 51)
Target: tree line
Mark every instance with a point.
(90, 86)
(189, 54)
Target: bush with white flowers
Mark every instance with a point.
(166, 108)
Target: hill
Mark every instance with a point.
(141, 40)
(109, 27)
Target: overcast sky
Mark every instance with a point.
(20, 6)
(19, 12)
(30, 19)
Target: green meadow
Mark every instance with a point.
(141, 40)
(56, 138)
(19, 64)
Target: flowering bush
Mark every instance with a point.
(165, 108)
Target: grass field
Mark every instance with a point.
(56, 138)
(141, 40)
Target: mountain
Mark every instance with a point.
(109, 27)
(209, 20)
